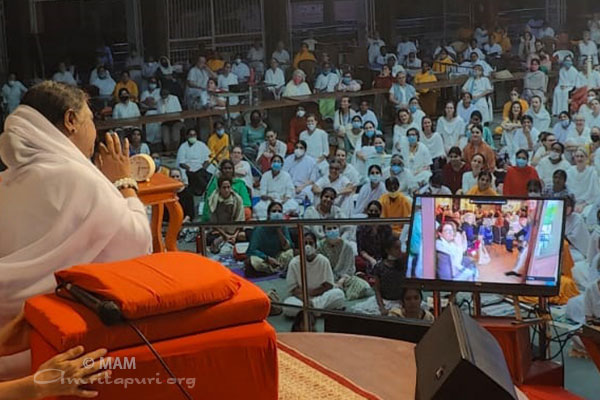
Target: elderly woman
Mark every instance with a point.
(398, 171)
(417, 157)
(297, 86)
(450, 248)
(583, 182)
(225, 206)
(338, 251)
(370, 191)
(82, 213)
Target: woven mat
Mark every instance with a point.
(302, 378)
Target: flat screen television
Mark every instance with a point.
(505, 245)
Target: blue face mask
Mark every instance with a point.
(375, 178)
(347, 81)
(276, 166)
(370, 133)
(276, 216)
(568, 64)
(397, 169)
(379, 149)
(220, 132)
(413, 109)
(412, 139)
(565, 123)
(356, 125)
(332, 233)
(521, 162)
(157, 162)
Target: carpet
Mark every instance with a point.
(301, 377)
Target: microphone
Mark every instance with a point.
(108, 311)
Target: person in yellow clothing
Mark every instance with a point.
(303, 54)
(128, 84)
(514, 96)
(502, 39)
(442, 61)
(394, 204)
(484, 185)
(427, 97)
(218, 143)
(215, 62)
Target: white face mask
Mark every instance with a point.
(311, 127)
(299, 152)
(300, 113)
(554, 156)
(533, 194)
(309, 250)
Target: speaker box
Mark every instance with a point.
(459, 359)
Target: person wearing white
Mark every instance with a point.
(592, 119)
(242, 167)
(433, 140)
(397, 170)
(327, 80)
(587, 49)
(104, 82)
(197, 80)
(271, 146)
(149, 68)
(374, 45)
(567, 80)
(413, 64)
(578, 136)
(274, 77)
(64, 76)
(319, 281)
(366, 114)
(256, 59)
(550, 163)
(469, 178)
(301, 168)
(541, 116)
(346, 169)
(240, 69)
(342, 185)
(58, 208)
(12, 93)
(373, 190)
(473, 48)
(450, 126)
(480, 89)
(125, 108)
(316, 140)
(404, 48)
(417, 158)
(342, 120)
(464, 109)
(583, 182)
(521, 138)
(297, 86)
(276, 185)
(170, 131)
(228, 78)
(415, 110)
(401, 128)
(577, 233)
(591, 80)
(150, 98)
(192, 154)
(282, 56)
(586, 306)
(401, 92)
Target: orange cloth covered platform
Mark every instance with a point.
(223, 350)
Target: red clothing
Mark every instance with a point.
(452, 178)
(383, 82)
(297, 125)
(515, 182)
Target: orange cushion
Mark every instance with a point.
(65, 324)
(156, 284)
(232, 363)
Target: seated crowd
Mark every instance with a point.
(342, 160)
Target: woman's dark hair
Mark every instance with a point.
(187, 132)
(524, 152)
(455, 150)
(392, 180)
(562, 173)
(405, 290)
(374, 166)
(485, 173)
(329, 190)
(527, 117)
(570, 201)
(375, 203)
(534, 185)
(225, 162)
(311, 234)
(217, 123)
(413, 130)
(477, 114)
(278, 157)
(303, 143)
(54, 99)
(562, 146)
(254, 112)
(520, 110)
(564, 113)
(357, 118)
(482, 156)
(477, 126)
(273, 204)
(223, 179)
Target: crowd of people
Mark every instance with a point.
(343, 160)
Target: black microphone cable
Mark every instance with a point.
(58, 291)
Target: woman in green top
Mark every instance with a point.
(253, 135)
(270, 248)
(226, 169)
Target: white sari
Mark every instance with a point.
(58, 210)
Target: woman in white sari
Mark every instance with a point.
(583, 183)
(567, 81)
(481, 88)
(403, 124)
(450, 126)
(417, 158)
(58, 209)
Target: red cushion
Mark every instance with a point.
(65, 324)
(156, 284)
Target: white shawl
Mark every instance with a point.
(58, 210)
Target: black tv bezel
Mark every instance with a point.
(520, 289)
